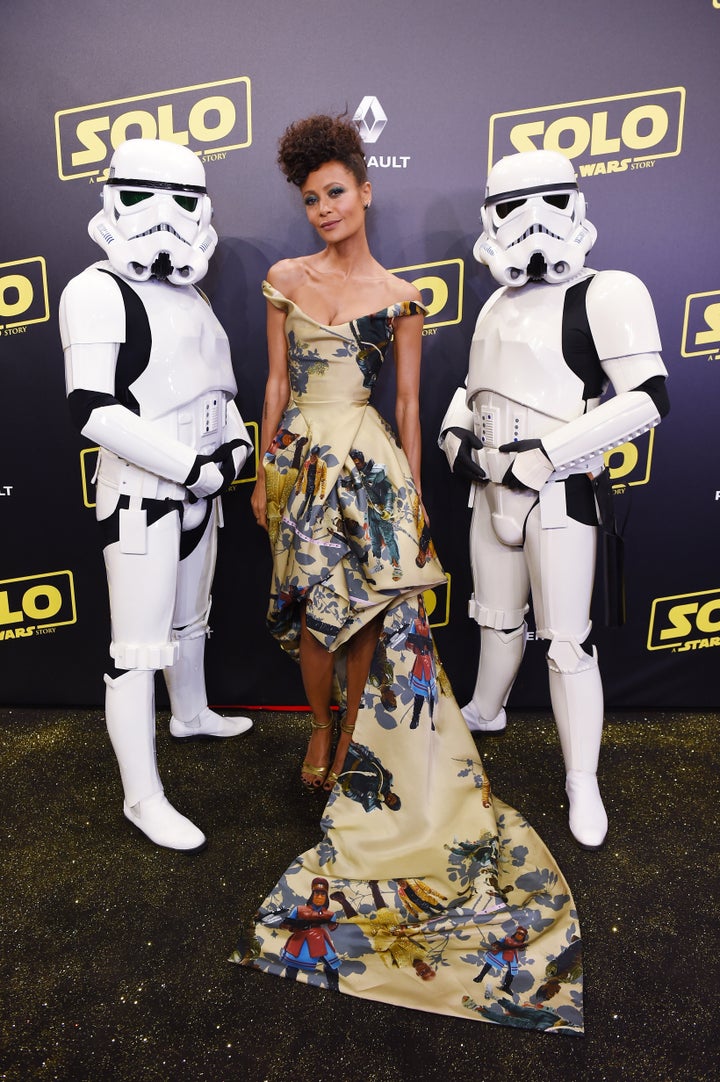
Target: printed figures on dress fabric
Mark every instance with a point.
(310, 943)
(503, 956)
(529, 431)
(149, 379)
(422, 675)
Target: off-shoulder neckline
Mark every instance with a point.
(347, 322)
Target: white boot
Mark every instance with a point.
(501, 653)
(587, 818)
(156, 817)
(185, 679)
(208, 724)
(130, 719)
(478, 724)
(577, 702)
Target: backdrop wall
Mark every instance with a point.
(627, 91)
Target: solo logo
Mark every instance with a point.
(210, 119)
(23, 295)
(701, 325)
(89, 464)
(441, 285)
(35, 604)
(603, 135)
(437, 604)
(685, 622)
(629, 464)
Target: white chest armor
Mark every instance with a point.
(519, 385)
(189, 377)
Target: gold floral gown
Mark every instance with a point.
(426, 891)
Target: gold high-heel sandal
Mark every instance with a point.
(318, 772)
(332, 777)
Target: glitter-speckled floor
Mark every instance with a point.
(114, 952)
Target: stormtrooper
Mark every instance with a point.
(529, 430)
(149, 379)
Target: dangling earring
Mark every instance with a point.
(366, 206)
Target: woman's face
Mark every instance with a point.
(335, 202)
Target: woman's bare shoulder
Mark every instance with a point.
(403, 290)
(287, 275)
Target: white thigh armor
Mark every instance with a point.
(155, 592)
(512, 553)
(142, 596)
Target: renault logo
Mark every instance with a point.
(371, 119)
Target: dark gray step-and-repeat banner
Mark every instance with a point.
(627, 91)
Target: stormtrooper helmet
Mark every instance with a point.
(155, 219)
(534, 225)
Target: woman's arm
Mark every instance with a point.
(408, 350)
(277, 394)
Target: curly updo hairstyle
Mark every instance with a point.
(308, 144)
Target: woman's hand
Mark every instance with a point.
(258, 502)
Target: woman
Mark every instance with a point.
(350, 535)
(429, 872)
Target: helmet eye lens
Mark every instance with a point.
(129, 199)
(560, 200)
(503, 209)
(186, 202)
